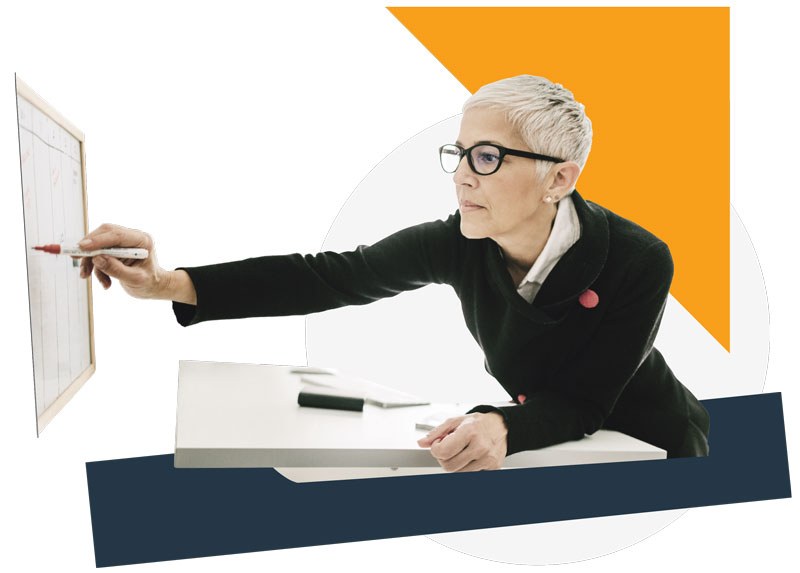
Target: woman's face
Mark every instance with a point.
(507, 204)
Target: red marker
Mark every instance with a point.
(74, 251)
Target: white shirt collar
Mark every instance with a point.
(565, 232)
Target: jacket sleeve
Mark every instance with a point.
(304, 284)
(585, 390)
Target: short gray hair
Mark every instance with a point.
(545, 115)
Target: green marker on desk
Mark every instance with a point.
(73, 251)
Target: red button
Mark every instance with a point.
(589, 299)
(521, 398)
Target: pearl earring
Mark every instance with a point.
(548, 199)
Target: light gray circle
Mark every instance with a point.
(417, 342)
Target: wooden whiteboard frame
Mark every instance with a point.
(24, 91)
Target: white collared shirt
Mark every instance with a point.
(565, 232)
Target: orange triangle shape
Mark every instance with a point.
(655, 83)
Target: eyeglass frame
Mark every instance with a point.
(503, 152)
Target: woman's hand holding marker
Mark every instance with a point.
(141, 278)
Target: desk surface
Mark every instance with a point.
(246, 415)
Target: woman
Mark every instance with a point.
(564, 297)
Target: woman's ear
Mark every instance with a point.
(564, 179)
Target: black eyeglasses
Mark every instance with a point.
(483, 158)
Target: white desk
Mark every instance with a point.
(246, 415)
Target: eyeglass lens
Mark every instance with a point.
(485, 159)
(450, 157)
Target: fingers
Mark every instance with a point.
(440, 431)
(473, 456)
(113, 267)
(448, 450)
(86, 267)
(471, 446)
(103, 278)
(108, 235)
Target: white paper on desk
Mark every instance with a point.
(373, 393)
(437, 418)
(312, 370)
(430, 421)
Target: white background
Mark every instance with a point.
(229, 132)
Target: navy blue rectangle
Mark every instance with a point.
(145, 510)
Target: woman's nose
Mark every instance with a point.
(463, 175)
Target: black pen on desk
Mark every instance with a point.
(330, 399)
(73, 251)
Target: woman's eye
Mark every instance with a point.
(487, 158)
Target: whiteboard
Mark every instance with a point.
(52, 165)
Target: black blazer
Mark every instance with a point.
(581, 354)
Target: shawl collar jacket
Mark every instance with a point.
(580, 366)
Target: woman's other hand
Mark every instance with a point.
(469, 443)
